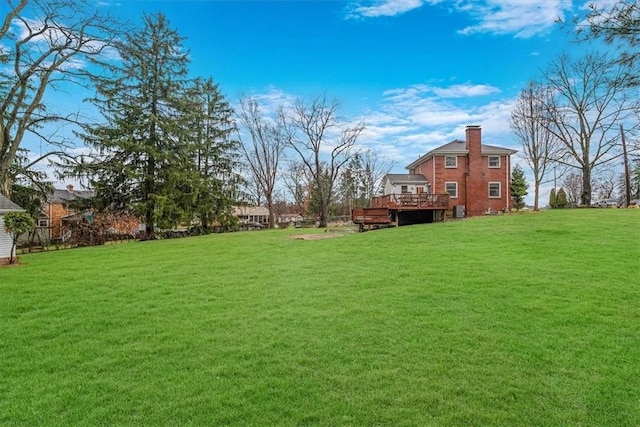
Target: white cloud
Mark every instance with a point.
(461, 91)
(270, 100)
(523, 18)
(409, 122)
(386, 8)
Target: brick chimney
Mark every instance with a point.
(475, 183)
(474, 142)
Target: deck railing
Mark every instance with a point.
(422, 200)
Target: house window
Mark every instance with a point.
(43, 222)
(452, 189)
(494, 161)
(404, 189)
(450, 161)
(494, 190)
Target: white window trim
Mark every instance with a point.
(499, 196)
(451, 182)
(450, 167)
(489, 162)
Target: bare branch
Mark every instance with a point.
(323, 144)
(46, 42)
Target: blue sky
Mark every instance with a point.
(416, 71)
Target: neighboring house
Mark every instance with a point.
(66, 207)
(476, 176)
(252, 215)
(61, 208)
(6, 242)
(405, 183)
(290, 218)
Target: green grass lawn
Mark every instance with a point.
(508, 320)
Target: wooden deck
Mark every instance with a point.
(401, 209)
(411, 201)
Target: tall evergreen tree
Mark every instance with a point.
(552, 199)
(519, 187)
(142, 153)
(561, 199)
(635, 179)
(216, 155)
(352, 183)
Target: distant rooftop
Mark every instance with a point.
(68, 194)
(7, 205)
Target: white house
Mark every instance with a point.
(6, 243)
(405, 183)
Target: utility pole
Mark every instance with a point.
(627, 177)
(554, 189)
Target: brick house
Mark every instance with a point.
(67, 206)
(476, 176)
(62, 205)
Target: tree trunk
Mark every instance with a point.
(324, 213)
(149, 202)
(5, 183)
(270, 208)
(585, 196)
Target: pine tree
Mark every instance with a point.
(561, 199)
(214, 183)
(552, 199)
(142, 155)
(519, 187)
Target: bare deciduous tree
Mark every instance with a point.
(265, 149)
(606, 184)
(362, 178)
(45, 43)
(540, 146)
(377, 168)
(297, 184)
(572, 184)
(324, 145)
(588, 104)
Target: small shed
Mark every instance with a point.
(6, 242)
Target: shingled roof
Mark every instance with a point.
(63, 196)
(406, 178)
(7, 205)
(459, 147)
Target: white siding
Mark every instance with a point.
(390, 188)
(5, 240)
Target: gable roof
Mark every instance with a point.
(406, 178)
(7, 205)
(459, 147)
(62, 196)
